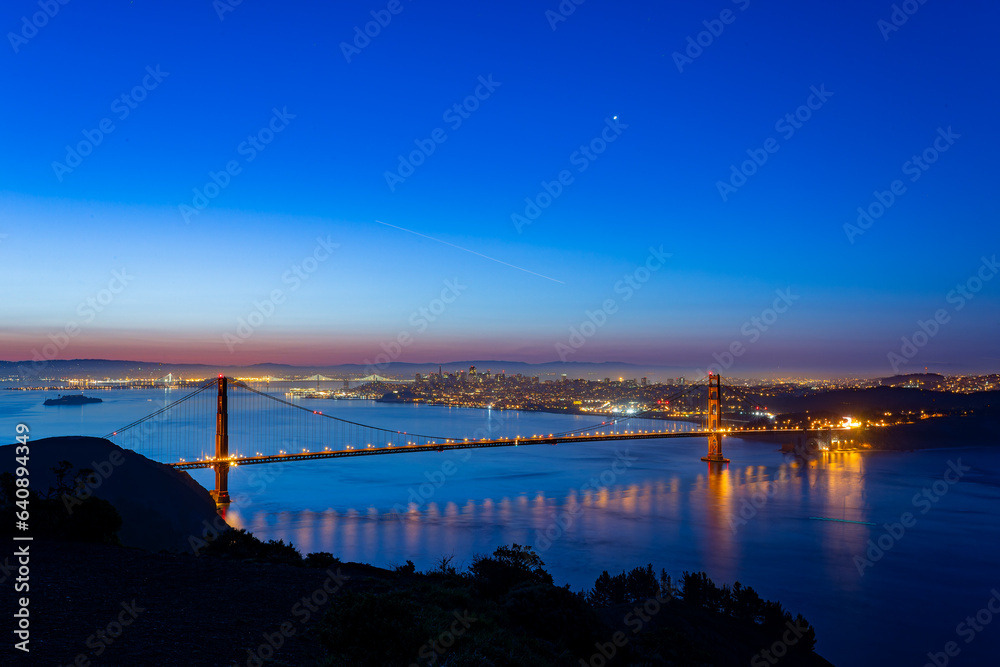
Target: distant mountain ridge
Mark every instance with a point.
(99, 368)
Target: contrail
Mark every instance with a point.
(492, 259)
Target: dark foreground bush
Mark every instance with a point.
(64, 512)
(241, 544)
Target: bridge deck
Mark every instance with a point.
(476, 444)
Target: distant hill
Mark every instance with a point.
(925, 380)
(100, 368)
(160, 507)
(889, 399)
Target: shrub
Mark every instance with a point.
(62, 514)
(241, 544)
(321, 559)
(635, 586)
(506, 568)
(409, 568)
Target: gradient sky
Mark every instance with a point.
(323, 176)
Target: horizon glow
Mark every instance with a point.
(498, 184)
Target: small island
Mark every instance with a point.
(72, 399)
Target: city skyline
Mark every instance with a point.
(667, 187)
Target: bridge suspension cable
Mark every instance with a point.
(262, 425)
(345, 421)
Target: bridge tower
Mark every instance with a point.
(221, 466)
(714, 421)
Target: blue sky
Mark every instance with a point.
(192, 278)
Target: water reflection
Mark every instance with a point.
(715, 493)
(579, 517)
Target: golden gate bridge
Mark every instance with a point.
(271, 429)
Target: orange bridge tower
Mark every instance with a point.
(714, 421)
